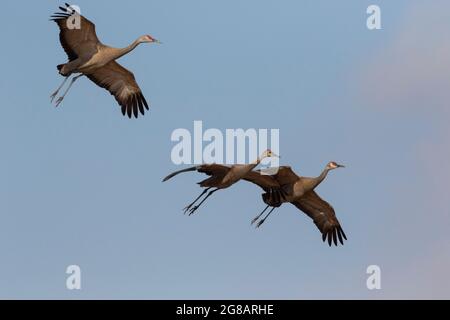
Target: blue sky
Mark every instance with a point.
(82, 185)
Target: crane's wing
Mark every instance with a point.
(213, 169)
(323, 216)
(209, 169)
(216, 172)
(77, 40)
(274, 193)
(285, 175)
(122, 85)
(266, 182)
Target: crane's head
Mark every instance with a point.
(148, 39)
(268, 154)
(333, 165)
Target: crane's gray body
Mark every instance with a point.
(96, 56)
(297, 190)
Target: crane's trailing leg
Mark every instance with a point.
(264, 219)
(52, 97)
(60, 99)
(259, 215)
(193, 202)
(193, 209)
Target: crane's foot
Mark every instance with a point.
(52, 97)
(192, 210)
(260, 223)
(58, 101)
(254, 220)
(186, 209)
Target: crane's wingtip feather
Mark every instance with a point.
(144, 101)
(340, 236)
(343, 233)
(140, 105)
(134, 104)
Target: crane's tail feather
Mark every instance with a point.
(173, 174)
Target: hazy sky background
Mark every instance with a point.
(81, 184)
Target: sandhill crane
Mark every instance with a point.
(221, 177)
(286, 186)
(89, 57)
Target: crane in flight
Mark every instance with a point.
(286, 186)
(89, 57)
(221, 177)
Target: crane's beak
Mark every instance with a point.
(157, 41)
(340, 166)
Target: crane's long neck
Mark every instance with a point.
(316, 181)
(120, 52)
